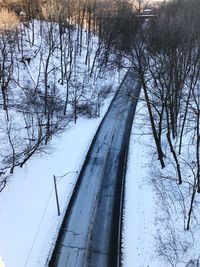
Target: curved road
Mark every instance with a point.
(90, 233)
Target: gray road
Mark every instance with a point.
(90, 233)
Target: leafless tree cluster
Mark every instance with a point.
(165, 53)
(50, 71)
(168, 58)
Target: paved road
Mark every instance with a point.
(90, 233)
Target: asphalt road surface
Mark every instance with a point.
(91, 230)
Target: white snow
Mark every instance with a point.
(29, 223)
(153, 223)
(138, 225)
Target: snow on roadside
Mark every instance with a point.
(153, 232)
(139, 230)
(29, 223)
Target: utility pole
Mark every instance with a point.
(56, 193)
(98, 105)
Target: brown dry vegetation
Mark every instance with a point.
(8, 20)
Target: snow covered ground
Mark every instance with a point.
(139, 226)
(153, 224)
(29, 223)
(29, 119)
(28, 216)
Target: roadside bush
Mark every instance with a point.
(86, 109)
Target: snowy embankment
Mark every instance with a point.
(153, 225)
(138, 224)
(29, 223)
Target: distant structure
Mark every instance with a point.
(147, 13)
(149, 10)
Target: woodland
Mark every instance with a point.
(163, 50)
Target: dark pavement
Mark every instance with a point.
(90, 233)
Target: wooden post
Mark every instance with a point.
(56, 193)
